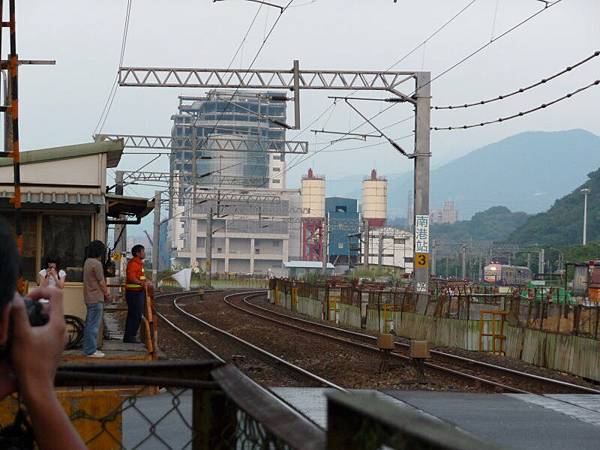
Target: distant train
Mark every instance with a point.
(506, 275)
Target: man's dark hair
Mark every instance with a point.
(96, 249)
(9, 264)
(52, 259)
(136, 249)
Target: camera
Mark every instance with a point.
(37, 318)
(35, 311)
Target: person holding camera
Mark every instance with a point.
(30, 355)
(95, 293)
(52, 275)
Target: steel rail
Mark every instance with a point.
(370, 348)
(276, 396)
(255, 348)
(439, 353)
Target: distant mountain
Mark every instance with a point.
(525, 172)
(494, 224)
(562, 224)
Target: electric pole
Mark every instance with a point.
(120, 232)
(366, 244)
(433, 255)
(324, 246)
(464, 262)
(380, 250)
(156, 238)
(209, 244)
(541, 262)
(421, 181)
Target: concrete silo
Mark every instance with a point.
(374, 201)
(313, 216)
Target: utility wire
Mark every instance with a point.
(427, 39)
(524, 89)
(486, 45)
(113, 90)
(463, 60)
(230, 101)
(522, 113)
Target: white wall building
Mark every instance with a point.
(393, 246)
(251, 236)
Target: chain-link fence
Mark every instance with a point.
(166, 405)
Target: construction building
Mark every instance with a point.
(240, 195)
(343, 222)
(254, 117)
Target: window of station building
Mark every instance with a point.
(63, 236)
(276, 169)
(408, 259)
(28, 258)
(340, 245)
(276, 181)
(188, 131)
(66, 237)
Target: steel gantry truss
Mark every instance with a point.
(204, 196)
(296, 80)
(214, 143)
(211, 178)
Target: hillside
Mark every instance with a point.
(526, 172)
(494, 224)
(562, 224)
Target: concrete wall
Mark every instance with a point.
(349, 315)
(310, 307)
(572, 354)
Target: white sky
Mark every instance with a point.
(61, 104)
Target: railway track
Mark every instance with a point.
(239, 351)
(503, 378)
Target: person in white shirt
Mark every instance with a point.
(52, 275)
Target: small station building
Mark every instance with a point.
(65, 207)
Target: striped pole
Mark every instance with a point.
(13, 68)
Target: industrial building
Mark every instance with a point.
(252, 233)
(391, 247)
(446, 215)
(343, 222)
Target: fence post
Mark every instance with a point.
(214, 420)
(576, 317)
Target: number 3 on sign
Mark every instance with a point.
(422, 260)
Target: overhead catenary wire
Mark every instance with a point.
(446, 71)
(427, 39)
(519, 114)
(523, 89)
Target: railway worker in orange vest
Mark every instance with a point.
(135, 288)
